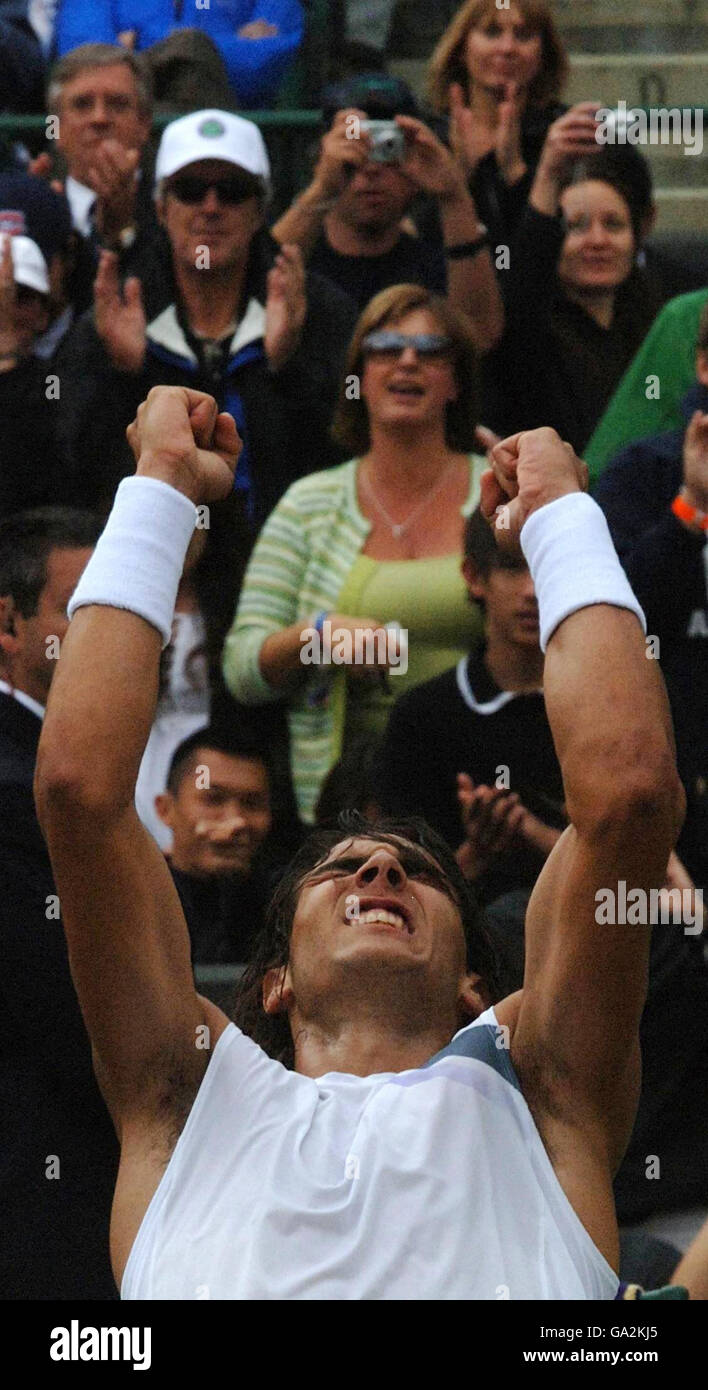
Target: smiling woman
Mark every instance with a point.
(498, 72)
(381, 535)
(577, 304)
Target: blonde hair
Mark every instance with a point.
(350, 426)
(447, 64)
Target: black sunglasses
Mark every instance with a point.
(230, 191)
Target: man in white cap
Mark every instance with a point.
(24, 298)
(33, 472)
(246, 324)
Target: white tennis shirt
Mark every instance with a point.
(427, 1184)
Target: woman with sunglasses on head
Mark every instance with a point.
(497, 74)
(374, 542)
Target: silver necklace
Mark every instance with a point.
(398, 528)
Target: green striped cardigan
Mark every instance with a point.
(301, 559)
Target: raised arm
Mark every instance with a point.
(575, 1043)
(127, 937)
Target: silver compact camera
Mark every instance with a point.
(388, 144)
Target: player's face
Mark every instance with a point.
(370, 903)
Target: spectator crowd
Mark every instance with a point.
(452, 270)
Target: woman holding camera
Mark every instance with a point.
(374, 542)
(577, 306)
(497, 73)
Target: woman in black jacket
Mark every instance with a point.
(498, 73)
(577, 306)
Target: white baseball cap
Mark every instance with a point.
(28, 264)
(212, 135)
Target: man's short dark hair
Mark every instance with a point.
(272, 946)
(26, 541)
(236, 744)
(480, 547)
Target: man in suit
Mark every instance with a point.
(59, 1153)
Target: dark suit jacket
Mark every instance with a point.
(54, 1229)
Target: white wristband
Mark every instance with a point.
(573, 562)
(138, 561)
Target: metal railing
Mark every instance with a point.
(289, 136)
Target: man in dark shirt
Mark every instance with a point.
(349, 221)
(59, 1152)
(218, 806)
(471, 750)
(655, 497)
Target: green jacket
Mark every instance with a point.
(648, 398)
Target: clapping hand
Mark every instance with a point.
(695, 461)
(491, 820)
(119, 315)
(470, 139)
(507, 144)
(286, 306)
(113, 180)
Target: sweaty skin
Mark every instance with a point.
(573, 1029)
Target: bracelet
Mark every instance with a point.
(686, 512)
(573, 563)
(467, 249)
(138, 561)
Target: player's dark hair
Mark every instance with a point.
(26, 542)
(272, 946)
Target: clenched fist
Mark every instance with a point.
(527, 471)
(179, 437)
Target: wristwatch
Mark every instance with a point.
(124, 240)
(466, 249)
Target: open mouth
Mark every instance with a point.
(388, 914)
(406, 390)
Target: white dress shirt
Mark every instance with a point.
(81, 201)
(23, 699)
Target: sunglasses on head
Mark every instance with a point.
(432, 345)
(231, 190)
